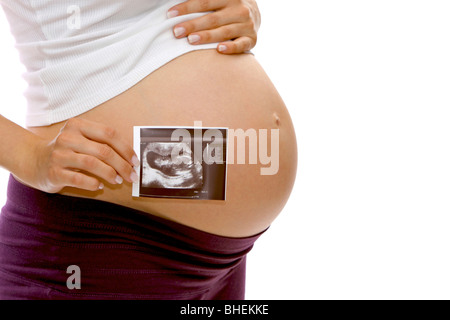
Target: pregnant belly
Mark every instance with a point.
(218, 91)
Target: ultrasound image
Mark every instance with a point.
(161, 170)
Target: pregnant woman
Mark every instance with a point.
(95, 69)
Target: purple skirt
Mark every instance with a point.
(59, 247)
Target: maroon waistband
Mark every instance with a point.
(64, 213)
(42, 234)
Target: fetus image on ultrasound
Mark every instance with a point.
(161, 169)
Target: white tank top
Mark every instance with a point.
(81, 53)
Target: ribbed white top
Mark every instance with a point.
(81, 53)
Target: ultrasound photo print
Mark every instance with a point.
(170, 165)
(181, 162)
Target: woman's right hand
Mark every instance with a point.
(84, 154)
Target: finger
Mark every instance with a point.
(101, 133)
(79, 180)
(239, 45)
(207, 22)
(192, 6)
(106, 154)
(92, 166)
(223, 33)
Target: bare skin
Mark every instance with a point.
(249, 101)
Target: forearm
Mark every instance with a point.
(17, 147)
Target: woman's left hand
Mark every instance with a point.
(236, 20)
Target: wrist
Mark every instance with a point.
(25, 158)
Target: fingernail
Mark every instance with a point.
(222, 48)
(134, 177)
(172, 14)
(135, 161)
(101, 186)
(179, 31)
(119, 180)
(193, 38)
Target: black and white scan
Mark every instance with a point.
(170, 165)
(188, 166)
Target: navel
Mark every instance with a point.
(277, 119)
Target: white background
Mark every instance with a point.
(367, 84)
